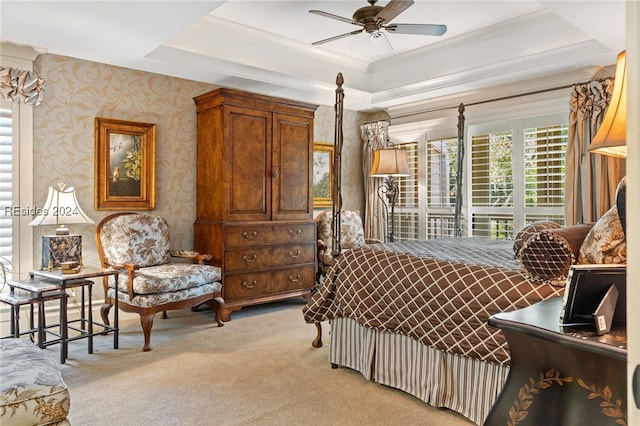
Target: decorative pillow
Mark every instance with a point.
(547, 255)
(621, 203)
(528, 230)
(605, 242)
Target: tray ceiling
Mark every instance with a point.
(265, 45)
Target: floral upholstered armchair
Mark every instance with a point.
(351, 236)
(137, 245)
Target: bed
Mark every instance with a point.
(413, 316)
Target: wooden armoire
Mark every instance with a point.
(254, 198)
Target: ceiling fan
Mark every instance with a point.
(373, 19)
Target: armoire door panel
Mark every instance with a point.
(250, 162)
(292, 155)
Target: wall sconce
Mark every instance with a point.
(390, 163)
(61, 209)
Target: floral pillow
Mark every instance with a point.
(605, 242)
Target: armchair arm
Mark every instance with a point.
(130, 268)
(187, 254)
(372, 241)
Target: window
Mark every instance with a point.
(516, 176)
(492, 185)
(6, 178)
(513, 174)
(407, 218)
(442, 167)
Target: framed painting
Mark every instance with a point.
(322, 174)
(125, 165)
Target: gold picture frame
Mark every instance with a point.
(322, 174)
(125, 165)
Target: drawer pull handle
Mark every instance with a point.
(246, 259)
(247, 285)
(248, 237)
(294, 255)
(294, 233)
(294, 279)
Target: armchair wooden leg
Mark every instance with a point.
(104, 312)
(220, 302)
(147, 322)
(164, 315)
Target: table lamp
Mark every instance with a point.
(611, 137)
(61, 209)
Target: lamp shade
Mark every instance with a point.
(390, 162)
(61, 208)
(611, 137)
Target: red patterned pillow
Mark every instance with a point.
(528, 230)
(548, 255)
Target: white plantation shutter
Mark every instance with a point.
(442, 165)
(544, 156)
(492, 191)
(514, 174)
(406, 212)
(517, 175)
(6, 172)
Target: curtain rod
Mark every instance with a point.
(502, 98)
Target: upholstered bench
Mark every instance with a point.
(32, 391)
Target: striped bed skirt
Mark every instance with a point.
(465, 385)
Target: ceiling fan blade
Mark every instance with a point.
(392, 9)
(419, 29)
(326, 40)
(336, 17)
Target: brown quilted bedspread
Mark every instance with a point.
(439, 292)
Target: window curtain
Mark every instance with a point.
(374, 135)
(591, 179)
(16, 85)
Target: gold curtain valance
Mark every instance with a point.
(16, 85)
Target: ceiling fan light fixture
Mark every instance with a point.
(373, 19)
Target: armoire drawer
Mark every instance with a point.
(260, 233)
(253, 258)
(256, 284)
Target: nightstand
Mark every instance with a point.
(560, 375)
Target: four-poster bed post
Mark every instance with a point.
(336, 194)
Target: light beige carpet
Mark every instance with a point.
(259, 369)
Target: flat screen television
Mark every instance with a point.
(586, 287)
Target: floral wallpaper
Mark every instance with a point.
(77, 91)
(352, 173)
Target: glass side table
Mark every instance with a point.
(17, 297)
(85, 324)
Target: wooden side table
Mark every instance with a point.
(560, 375)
